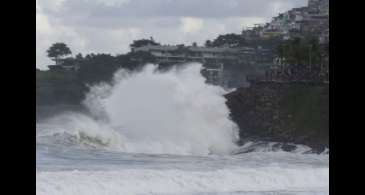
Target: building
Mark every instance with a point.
(311, 20)
(252, 33)
(222, 65)
(324, 37)
(67, 64)
(214, 74)
(297, 22)
(182, 54)
(214, 59)
(319, 5)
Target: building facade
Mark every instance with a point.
(220, 64)
(297, 22)
(66, 64)
(182, 54)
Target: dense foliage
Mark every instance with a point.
(68, 87)
(304, 56)
(300, 54)
(282, 112)
(57, 51)
(143, 42)
(58, 88)
(227, 40)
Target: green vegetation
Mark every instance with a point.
(227, 40)
(283, 112)
(59, 86)
(308, 109)
(300, 51)
(304, 56)
(57, 51)
(96, 68)
(143, 42)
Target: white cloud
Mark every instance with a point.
(42, 24)
(48, 32)
(114, 41)
(56, 33)
(109, 26)
(279, 7)
(191, 25)
(37, 7)
(52, 5)
(112, 2)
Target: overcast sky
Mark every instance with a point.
(109, 26)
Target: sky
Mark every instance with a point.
(109, 26)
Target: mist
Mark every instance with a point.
(169, 112)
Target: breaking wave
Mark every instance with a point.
(263, 146)
(78, 130)
(171, 112)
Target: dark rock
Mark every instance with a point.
(282, 112)
(288, 147)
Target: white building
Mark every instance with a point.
(182, 54)
(216, 60)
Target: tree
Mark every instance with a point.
(143, 42)
(230, 40)
(95, 68)
(303, 55)
(57, 51)
(142, 57)
(208, 43)
(79, 57)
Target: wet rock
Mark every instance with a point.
(282, 112)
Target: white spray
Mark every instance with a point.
(172, 112)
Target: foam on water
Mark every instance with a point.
(151, 133)
(142, 181)
(100, 172)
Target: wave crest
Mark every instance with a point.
(78, 130)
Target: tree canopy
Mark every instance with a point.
(304, 56)
(300, 51)
(57, 51)
(143, 42)
(229, 40)
(96, 68)
(208, 43)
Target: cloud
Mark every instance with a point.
(52, 5)
(111, 25)
(181, 8)
(112, 2)
(51, 31)
(114, 41)
(191, 25)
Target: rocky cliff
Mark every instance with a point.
(283, 112)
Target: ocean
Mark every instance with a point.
(165, 133)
